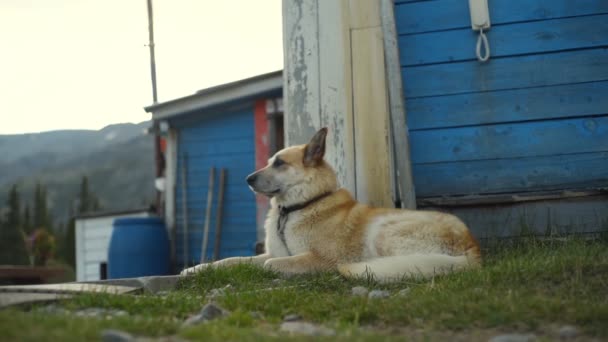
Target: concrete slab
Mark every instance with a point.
(69, 288)
(12, 298)
(152, 284)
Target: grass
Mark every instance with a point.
(528, 287)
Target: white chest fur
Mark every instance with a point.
(293, 241)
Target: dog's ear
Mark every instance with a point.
(315, 149)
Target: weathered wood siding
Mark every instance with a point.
(534, 117)
(335, 77)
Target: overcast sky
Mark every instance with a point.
(84, 64)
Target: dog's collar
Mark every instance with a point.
(285, 211)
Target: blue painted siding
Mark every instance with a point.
(222, 140)
(535, 117)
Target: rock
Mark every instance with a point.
(292, 318)
(118, 313)
(256, 315)
(306, 328)
(359, 291)
(208, 312)
(567, 332)
(378, 294)
(110, 335)
(212, 311)
(214, 293)
(90, 312)
(403, 293)
(100, 312)
(513, 338)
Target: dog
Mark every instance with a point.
(313, 226)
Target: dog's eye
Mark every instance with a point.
(277, 162)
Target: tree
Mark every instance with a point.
(12, 243)
(27, 220)
(41, 212)
(13, 217)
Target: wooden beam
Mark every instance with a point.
(335, 81)
(398, 117)
(301, 70)
(371, 118)
(335, 77)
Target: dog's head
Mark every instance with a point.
(296, 173)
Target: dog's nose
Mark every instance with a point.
(251, 178)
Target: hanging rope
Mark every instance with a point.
(486, 46)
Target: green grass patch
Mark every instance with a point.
(525, 287)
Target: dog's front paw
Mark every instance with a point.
(195, 269)
(272, 264)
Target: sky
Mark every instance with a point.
(84, 64)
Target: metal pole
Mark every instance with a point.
(151, 46)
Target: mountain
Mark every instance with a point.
(118, 160)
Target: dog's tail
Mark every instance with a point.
(412, 265)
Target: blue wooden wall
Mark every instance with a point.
(534, 117)
(222, 139)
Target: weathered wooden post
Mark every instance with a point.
(336, 76)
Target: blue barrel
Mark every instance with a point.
(139, 247)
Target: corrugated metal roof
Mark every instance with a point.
(206, 98)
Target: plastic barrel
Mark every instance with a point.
(138, 247)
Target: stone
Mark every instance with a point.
(212, 311)
(375, 294)
(403, 293)
(567, 332)
(359, 291)
(214, 293)
(209, 312)
(305, 328)
(513, 338)
(292, 318)
(256, 315)
(110, 335)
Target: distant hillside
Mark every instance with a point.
(118, 160)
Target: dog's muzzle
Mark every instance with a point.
(252, 178)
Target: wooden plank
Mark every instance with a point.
(506, 40)
(502, 198)
(301, 70)
(400, 141)
(11, 299)
(427, 16)
(507, 73)
(218, 216)
(69, 288)
(570, 100)
(336, 85)
(364, 13)
(575, 171)
(537, 138)
(208, 205)
(371, 117)
(566, 216)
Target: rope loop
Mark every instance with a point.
(486, 46)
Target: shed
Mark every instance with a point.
(93, 233)
(234, 127)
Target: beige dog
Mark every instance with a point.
(314, 226)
